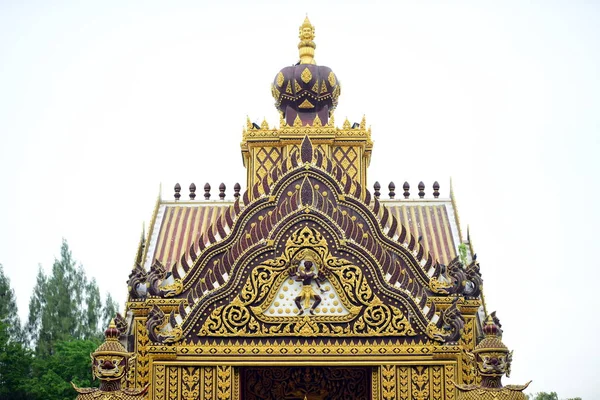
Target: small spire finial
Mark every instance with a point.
(307, 46)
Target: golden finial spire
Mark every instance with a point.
(306, 47)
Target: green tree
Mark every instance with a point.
(65, 305)
(109, 311)
(15, 360)
(546, 396)
(15, 366)
(8, 309)
(70, 362)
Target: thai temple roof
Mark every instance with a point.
(178, 224)
(306, 270)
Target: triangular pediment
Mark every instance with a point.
(369, 277)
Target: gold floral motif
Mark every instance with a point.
(306, 75)
(367, 316)
(297, 87)
(331, 78)
(315, 87)
(209, 382)
(388, 382)
(190, 383)
(173, 373)
(467, 340)
(224, 382)
(306, 104)
(450, 393)
(288, 88)
(159, 384)
(142, 361)
(323, 88)
(437, 380)
(280, 79)
(404, 383)
(420, 383)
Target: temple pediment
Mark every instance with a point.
(306, 258)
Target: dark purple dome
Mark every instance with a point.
(306, 90)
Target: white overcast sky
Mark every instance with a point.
(101, 103)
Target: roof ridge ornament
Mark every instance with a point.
(307, 46)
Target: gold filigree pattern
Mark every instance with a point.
(173, 373)
(190, 383)
(404, 383)
(306, 104)
(437, 379)
(280, 79)
(450, 392)
(467, 340)
(315, 87)
(224, 382)
(331, 79)
(306, 75)
(368, 315)
(323, 88)
(420, 383)
(388, 382)
(209, 382)
(142, 361)
(159, 385)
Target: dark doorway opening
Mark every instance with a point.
(305, 383)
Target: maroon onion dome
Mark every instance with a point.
(306, 90)
(112, 332)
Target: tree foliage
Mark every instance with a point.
(70, 362)
(65, 305)
(9, 315)
(65, 324)
(548, 396)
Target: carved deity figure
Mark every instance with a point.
(110, 362)
(306, 274)
(493, 360)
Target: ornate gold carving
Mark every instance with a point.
(367, 316)
(297, 87)
(404, 382)
(323, 87)
(420, 383)
(467, 340)
(209, 382)
(375, 382)
(315, 87)
(437, 380)
(159, 382)
(450, 392)
(314, 347)
(173, 373)
(190, 383)
(306, 75)
(388, 382)
(306, 47)
(224, 382)
(142, 361)
(331, 79)
(280, 79)
(306, 104)
(288, 88)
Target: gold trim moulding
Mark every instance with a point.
(329, 351)
(235, 362)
